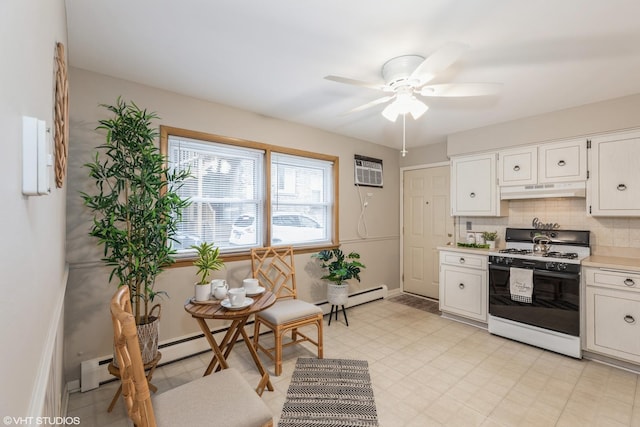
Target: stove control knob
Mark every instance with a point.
(562, 266)
(551, 265)
(508, 261)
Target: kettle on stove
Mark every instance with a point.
(541, 244)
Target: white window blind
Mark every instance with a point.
(226, 189)
(301, 200)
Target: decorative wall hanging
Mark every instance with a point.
(61, 116)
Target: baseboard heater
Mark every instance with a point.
(94, 372)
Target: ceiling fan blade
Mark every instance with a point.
(438, 61)
(461, 89)
(371, 104)
(346, 80)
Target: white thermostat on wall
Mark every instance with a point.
(368, 171)
(35, 157)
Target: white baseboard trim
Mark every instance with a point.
(47, 391)
(94, 371)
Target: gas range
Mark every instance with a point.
(533, 297)
(568, 247)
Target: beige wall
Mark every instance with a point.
(88, 331)
(32, 256)
(427, 154)
(600, 117)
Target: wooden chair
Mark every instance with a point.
(274, 269)
(221, 399)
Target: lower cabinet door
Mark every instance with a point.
(613, 323)
(463, 292)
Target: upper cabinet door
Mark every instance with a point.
(614, 185)
(474, 190)
(562, 161)
(518, 166)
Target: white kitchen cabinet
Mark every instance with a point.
(474, 187)
(614, 184)
(463, 284)
(518, 166)
(613, 313)
(564, 161)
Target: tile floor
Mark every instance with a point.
(430, 371)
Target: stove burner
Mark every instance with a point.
(515, 251)
(564, 255)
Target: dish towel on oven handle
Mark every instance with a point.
(521, 284)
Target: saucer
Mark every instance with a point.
(227, 304)
(258, 291)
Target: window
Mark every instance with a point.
(232, 182)
(301, 199)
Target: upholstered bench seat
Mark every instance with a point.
(228, 399)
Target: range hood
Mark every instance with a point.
(542, 191)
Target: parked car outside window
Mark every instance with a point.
(287, 227)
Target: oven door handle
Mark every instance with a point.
(538, 272)
(557, 274)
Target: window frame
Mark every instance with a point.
(166, 131)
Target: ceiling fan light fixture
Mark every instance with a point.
(391, 112)
(404, 104)
(418, 109)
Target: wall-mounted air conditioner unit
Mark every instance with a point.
(368, 171)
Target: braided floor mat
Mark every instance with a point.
(330, 392)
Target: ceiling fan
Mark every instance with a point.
(407, 76)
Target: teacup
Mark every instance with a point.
(251, 285)
(236, 296)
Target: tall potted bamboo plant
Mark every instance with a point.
(136, 210)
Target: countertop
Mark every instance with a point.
(612, 262)
(477, 251)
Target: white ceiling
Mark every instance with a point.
(270, 56)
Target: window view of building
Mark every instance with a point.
(228, 193)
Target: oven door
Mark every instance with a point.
(555, 300)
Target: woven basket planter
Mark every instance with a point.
(148, 339)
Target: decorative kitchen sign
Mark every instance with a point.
(544, 226)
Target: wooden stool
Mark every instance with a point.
(115, 371)
(344, 312)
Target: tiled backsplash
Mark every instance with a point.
(609, 236)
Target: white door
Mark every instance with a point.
(427, 224)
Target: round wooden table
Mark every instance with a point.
(214, 310)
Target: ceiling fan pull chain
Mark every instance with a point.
(404, 131)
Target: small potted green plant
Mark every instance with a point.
(208, 260)
(490, 238)
(341, 268)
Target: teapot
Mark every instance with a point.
(541, 244)
(219, 288)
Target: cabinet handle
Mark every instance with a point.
(562, 163)
(516, 168)
(462, 261)
(472, 195)
(621, 187)
(461, 286)
(629, 282)
(629, 319)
